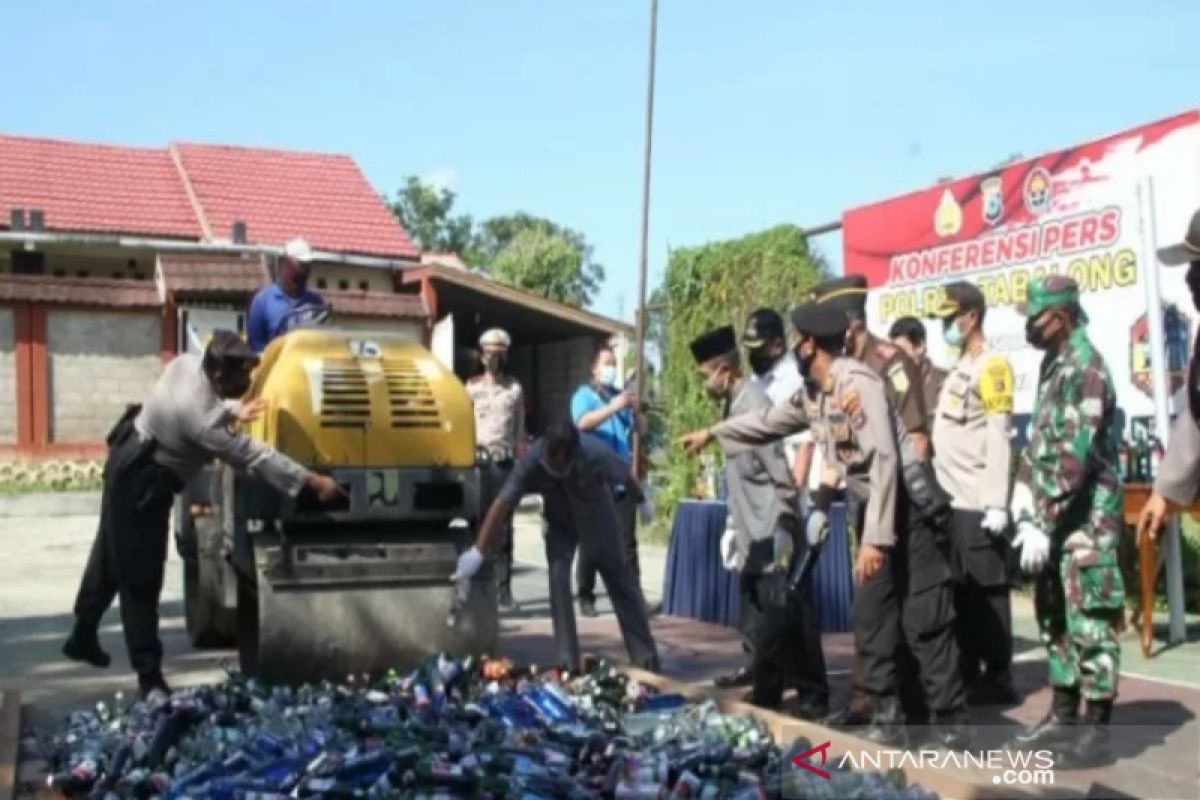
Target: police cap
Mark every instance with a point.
(717, 342)
(961, 297)
(847, 294)
(495, 337)
(762, 327)
(820, 320)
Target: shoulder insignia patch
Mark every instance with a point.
(852, 405)
(996, 386)
(898, 378)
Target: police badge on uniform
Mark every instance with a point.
(992, 199)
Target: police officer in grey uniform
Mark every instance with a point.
(902, 576)
(153, 450)
(500, 430)
(972, 457)
(761, 537)
(577, 476)
(1177, 484)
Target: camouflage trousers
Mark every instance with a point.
(1079, 600)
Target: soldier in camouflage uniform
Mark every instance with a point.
(1067, 506)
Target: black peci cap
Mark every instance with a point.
(960, 296)
(762, 326)
(717, 342)
(820, 320)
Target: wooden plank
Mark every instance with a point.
(783, 727)
(10, 739)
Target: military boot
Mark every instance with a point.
(952, 729)
(1057, 728)
(887, 723)
(84, 645)
(1090, 746)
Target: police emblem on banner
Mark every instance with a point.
(1176, 325)
(992, 200)
(1037, 190)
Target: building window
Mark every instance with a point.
(364, 286)
(343, 286)
(58, 273)
(320, 283)
(83, 273)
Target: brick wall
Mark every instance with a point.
(8, 378)
(98, 363)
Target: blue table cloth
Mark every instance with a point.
(697, 586)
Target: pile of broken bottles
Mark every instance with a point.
(450, 729)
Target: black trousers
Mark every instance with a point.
(906, 610)
(129, 554)
(585, 564)
(504, 555)
(784, 640)
(983, 626)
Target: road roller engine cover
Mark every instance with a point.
(313, 592)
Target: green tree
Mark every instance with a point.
(424, 211)
(717, 284)
(503, 242)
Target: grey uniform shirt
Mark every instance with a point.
(762, 494)
(852, 424)
(191, 425)
(499, 413)
(971, 450)
(1178, 477)
(583, 501)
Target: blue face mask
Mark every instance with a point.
(953, 334)
(608, 376)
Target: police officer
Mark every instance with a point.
(908, 333)
(1067, 505)
(500, 430)
(972, 458)
(903, 384)
(760, 539)
(1177, 484)
(576, 475)
(153, 450)
(901, 575)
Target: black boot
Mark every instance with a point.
(506, 599)
(588, 608)
(1057, 727)
(1090, 747)
(151, 681)
(953, 730)
(887, 723)
(84, 645)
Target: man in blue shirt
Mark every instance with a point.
(278, 307)
(600, 409)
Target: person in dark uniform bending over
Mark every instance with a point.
(908, 333)
(972, 457)
(577, 476)
(903, 384)
(761, 536)
(153, 450)
(903, 579)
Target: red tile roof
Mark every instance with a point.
(95, 188)
(375, 304)
(280, 194)
(106, 292)
(176, 191)
(213, 274)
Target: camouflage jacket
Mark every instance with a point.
(1071, 462)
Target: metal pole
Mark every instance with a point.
(641, 314)
(1162, 417)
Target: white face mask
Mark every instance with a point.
(608, 376)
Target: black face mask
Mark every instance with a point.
(232, 385)
(760, 362)
(1035, 336)
(803, 362)
(495, 363)
(1193, 282)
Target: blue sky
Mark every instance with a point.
(767, 112)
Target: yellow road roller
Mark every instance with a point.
(310, 592)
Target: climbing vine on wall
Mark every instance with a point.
(716, 284)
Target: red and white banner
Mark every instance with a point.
(1073, 212)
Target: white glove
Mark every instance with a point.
(816, 530)
(468, 564)
(995, 520)
(732, 556)
(1035, 548)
